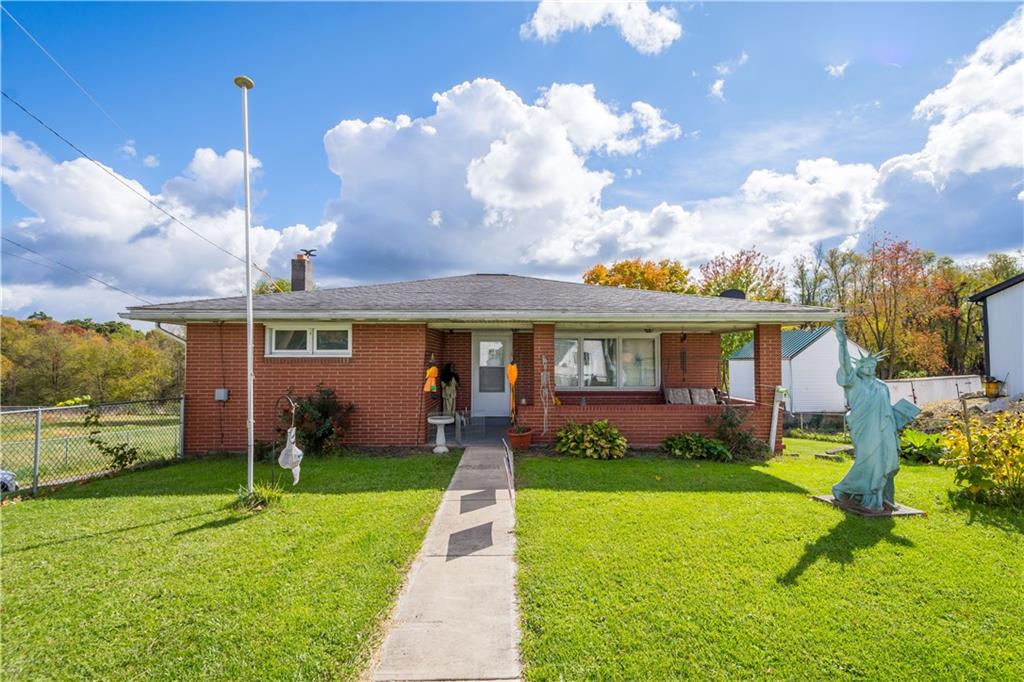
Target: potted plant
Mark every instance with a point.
(519, 436)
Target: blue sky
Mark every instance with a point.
(516, 174)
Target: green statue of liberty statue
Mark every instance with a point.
(874, 424)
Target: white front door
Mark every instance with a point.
(492, 351)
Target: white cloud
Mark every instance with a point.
(151, 161)
(517, 191)
(647, 31)
(717, 89)
(87, 219)
(128, 150)
(837, 70)
(211, 181)
(435, 218)
(594, 125)
(723, 69)
(730, 65)
(979, 114)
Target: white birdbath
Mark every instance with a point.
(440, 421)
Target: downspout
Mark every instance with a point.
(171, 334)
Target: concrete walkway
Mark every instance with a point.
(457, 617)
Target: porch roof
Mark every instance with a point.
(485, 298)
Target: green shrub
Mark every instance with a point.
(740, 441)
(321, 421)
(696, 446)
(598, 440)
(818, 435)
(988, 458)
(917, 446)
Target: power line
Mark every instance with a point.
(135, 191)
(65, 71)
(66, 267)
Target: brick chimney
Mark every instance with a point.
(302, 272)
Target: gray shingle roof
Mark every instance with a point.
(482, 296)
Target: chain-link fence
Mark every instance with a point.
(56, 445)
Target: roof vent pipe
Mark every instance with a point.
(733, 293)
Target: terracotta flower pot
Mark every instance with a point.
(519, 440)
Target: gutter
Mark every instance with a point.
(765, 317)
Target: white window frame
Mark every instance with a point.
(619, 374)
(311, 350)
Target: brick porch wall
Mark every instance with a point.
(645, 422)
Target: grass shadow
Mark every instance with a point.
(1004, 518)
(112, 531)
(215, 523)
(841, 544)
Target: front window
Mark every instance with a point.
(606, 362)
(293, 340)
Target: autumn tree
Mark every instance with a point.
(811, 280)
(750, 271)
(45, 361)
(634, 273)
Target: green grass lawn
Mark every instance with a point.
(650, 568)
(153, 575)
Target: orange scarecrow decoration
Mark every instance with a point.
(430, 386)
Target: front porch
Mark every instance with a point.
(578, 373)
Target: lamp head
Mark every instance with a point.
(244, 82)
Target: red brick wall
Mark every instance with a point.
(522, 354)
(458, 350)
(703, 360)
(767, 375)
(543, 347)
(383, 379)
(611, 397)
(643, 425)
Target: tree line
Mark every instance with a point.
(43, 362)
(896, 296)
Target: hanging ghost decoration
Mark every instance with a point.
(291, 456)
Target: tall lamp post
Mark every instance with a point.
(246, 84)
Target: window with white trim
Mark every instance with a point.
(319, 340)
(607, 361)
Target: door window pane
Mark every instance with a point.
(290, 339)
(567, 371)
(638, 362)
(599, 362)
(332, 339)
(491, 369)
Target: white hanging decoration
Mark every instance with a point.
(545, 390)
(291, 456)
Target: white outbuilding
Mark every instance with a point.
(810, 359)
(1002, 308)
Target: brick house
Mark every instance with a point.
(603, 352)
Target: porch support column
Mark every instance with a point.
(543, 346)
(767, 374)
